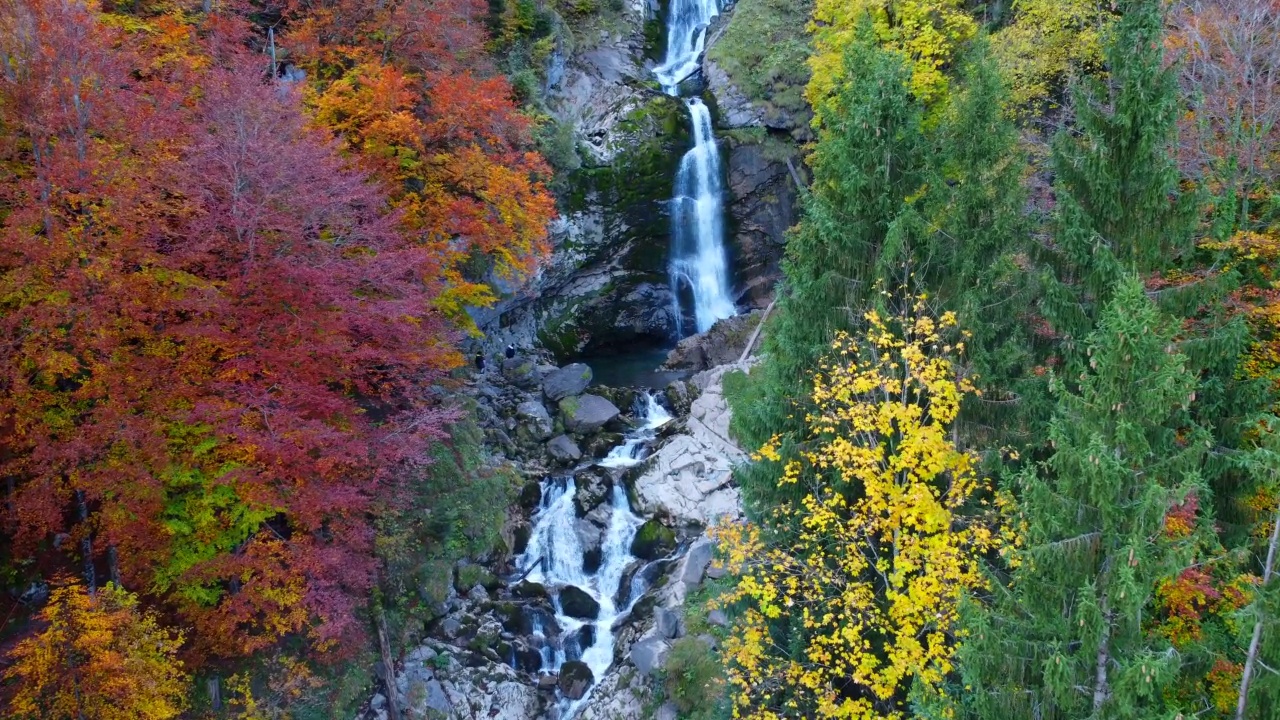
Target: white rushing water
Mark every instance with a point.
(698, 259)
(631, 452)
(554, 541)
(687, 22)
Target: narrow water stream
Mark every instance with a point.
(556, 543)
(698, 261)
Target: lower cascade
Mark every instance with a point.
(556, 557)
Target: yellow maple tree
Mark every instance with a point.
(98, 658)
(927, 33)
(890, 536)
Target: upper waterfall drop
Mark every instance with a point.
(698, 259)
(687, 22)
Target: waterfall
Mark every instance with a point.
(698, 258)
(631, 452)
(554, 542)
(687, 22)
(697, 226)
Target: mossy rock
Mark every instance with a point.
(531, 496)
(529, 590)
(468, 576)
(653, 541)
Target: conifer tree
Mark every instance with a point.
(1120, 210)
(869, 159)
(1067, 639)
(973, 235)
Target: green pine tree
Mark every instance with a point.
(1066, 639)
(1120, 209)
(974, 244)
(869, 159)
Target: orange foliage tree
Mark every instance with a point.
(98, 658)
(406, 86)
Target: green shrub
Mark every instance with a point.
(765, 50)
(694, 680)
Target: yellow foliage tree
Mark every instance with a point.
(1047, 43)
(99, 658)
(928, 33)
(890, 536)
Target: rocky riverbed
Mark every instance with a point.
(509, 647)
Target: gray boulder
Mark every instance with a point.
(717, 618)
(567, 381)
(535, 421)
(563, 449)
(575, 602)
(520, 372)
(587, 413)
(696, 562)
(575, 678)
(653, 540)
(667, 623)
(436, 699)
(649, 655)
(593, 488)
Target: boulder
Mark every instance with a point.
(564, 450)
(488, 689)
(568, 380)
(531, 496)
(587, 413)
(600, 444)
(623, 596)
(691, 476)
(520, 533)
(679, 397)
(717, 618)
(535, 421)
(577, 642)
(528, 590)
(576, 603)
(435, 698)
(667, 623)
(696, 562)
(591, 539)
(520, 371)
(575, 678)
(653, 540)
(528, 659)
(592, 487)
(649, 654)
(720, 345)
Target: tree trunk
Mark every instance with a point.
(1242, 701)
(86, 544)
(1100, 688)
(214, 684)
(388, 665)
(113, 565)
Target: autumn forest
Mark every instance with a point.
(999, 385)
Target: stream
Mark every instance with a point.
(555, 546)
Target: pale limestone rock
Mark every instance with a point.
(691, 476)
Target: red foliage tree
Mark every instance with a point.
(215, 334)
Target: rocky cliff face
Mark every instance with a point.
(764, 175)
